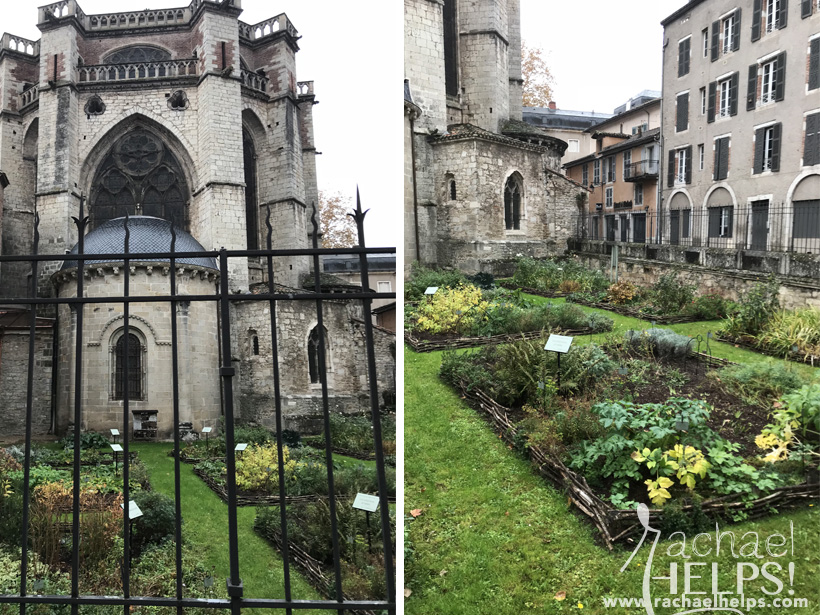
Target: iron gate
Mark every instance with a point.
(222, 300)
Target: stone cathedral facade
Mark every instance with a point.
(188, 117)
(481, 186)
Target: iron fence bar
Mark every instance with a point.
(81, 223)
(334, 529)
(384, 508)
(177, 448)
(212, 298)
(126, 394)
(234, 583)
(277, 404)
(207, 603)
(29, 420)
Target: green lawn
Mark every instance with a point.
(206, 528)
(493, 537)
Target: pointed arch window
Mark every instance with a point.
(512, 203)
(314, 342)
(130, 379)
(251, 205)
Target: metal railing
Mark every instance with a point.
(641, 168)
(221, 301)
(167, 69)
(757, 227)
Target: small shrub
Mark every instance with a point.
(88, 440)
(252, 434)
(754, 310)
(670, 295)
(710, 306)
(257, 468)
(158, 521)
(786, 329)
(621, 293)
(761, 383)
(455, 310)
(421, 278)
(485, 281)
(660, 342)
(583, 366)
(569, 286)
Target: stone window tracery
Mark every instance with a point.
(133, 377)
(313, 354)
(512, 203)
(141, 176)
(138, 53)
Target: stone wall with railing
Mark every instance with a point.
(20, 45)
(254, 81)
(266, 28)
(169, 69)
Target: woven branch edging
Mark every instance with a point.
(619, 524)
(633, 313)
(549, 294)
(265, 500)
(419, 345)
(737, 341)
(308, 565)
(348, 452)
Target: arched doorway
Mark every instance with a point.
(141, 176)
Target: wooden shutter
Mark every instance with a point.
(682, 120)
(684, 48)
(782, 14)
(780, 76)
(670, 171)
(811, 148)
(805, 8)
(759, 139)
(715, 39)
(751, 93)
(730, 224)
(714, 222)
(757, 15)
(776, 130)
(716, 163)
(814, 64)
(721, 158)
(733, 88)
(710, 113)
(736, 33)
(688, 169)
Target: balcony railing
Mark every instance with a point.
(29, 96)
(271, 26)
(21, 45)
(254, 81)
(169, 69)
(643, 169)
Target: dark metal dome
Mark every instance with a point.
(146, 234)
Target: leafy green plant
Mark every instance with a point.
(754, 310)
(257, 468)
(795, 421)
(710, 306)
(88, 440)
(421, 278)
(621, 293)
(659, 342)
(670, 295)
(791, 331)
(759, 384)
(158, 521)
(452, 310)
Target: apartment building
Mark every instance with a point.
(567, 125)
(622, 173)
(741, 125)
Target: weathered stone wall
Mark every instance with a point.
(471, 228)
(197, 343)
(14, 381)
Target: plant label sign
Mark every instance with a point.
(115, 432)
(134, 511)
(558, 343)
(366, 502)
(431, 290)
(206, 429)
(116, 448)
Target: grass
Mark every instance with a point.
(493, 537)
(206, 528)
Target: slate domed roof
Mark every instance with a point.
(146, 234)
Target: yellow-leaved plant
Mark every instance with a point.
(687, 462)
(452, 310)
(257, 468)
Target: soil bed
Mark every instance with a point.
(421, 341)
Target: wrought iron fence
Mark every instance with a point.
(222, 302)
(758, 226)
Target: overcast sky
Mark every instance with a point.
(601, 53)
(353, 52)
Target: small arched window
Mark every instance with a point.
(255, 342)
(512, 203)
(132, 377)
(452, 188)
(314, 343)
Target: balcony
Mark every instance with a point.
(20, 45)
(254, 81)
(643, 170)
(28, 97)
(170, 69)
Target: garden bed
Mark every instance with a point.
(430, 343)
(618, 525)
(320, 445)
(747, 342)
(625, 310)
(549, 294)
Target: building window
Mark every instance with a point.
(703, 101)
(596, 171)
(682, 112)
(255, 343)
(684, 53)
(725, 89)
(608, 198)
(811, 142)
(705, 42)
(452, 189)
(137, 54)
(627, 163)
(701, 156)
(682, 167)
(132, 376)
(585, 175)
(638, 194)
(610, 169)
(722, 98)
(767, 82)
(728, 28)
(314, 346)
(574, 145)
(772, 14)
(721, 159)
(720, 221)
(450, 48)
(806, 219)
(384, 287)
(679, 169)
(512, 204)
(767, 149)
(814, 63)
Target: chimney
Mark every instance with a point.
(552, 105)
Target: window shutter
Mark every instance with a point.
(736, 33)
(716, 165)
(780, 77)
(730, 222)
(670, 171)
(776, 129)
(758, 163)
(733, 88)
(814, 64)
(751, 93)
(722, 158)
(688, 168)
(710, 113)
(805, 9)
(757, 15)
(683, 57)
(714, 221)
(682, 122)
(782, 14)
(811, 149)
(715, 39)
